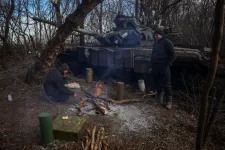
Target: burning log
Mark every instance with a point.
(103, 111)
(91, 99)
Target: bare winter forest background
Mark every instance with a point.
(40, 29)
(22, 36)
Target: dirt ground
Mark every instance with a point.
(140, 125)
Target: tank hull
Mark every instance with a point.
(135, 59)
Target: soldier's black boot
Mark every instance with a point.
(160, 97)
(169, 102)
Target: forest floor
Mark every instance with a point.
(140, 125)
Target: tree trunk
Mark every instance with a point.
(57, 11)
(82, 37)
(41, 67)
(5, 38)
(100, 18)
(136, 9)
(216, 44)
(213, 116)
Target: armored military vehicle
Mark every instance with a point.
(128, 48)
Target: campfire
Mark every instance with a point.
(96, 100)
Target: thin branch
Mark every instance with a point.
(169, 6)
(45, 21)
(82, 31)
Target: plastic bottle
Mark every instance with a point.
(141, 84)
(9, 98)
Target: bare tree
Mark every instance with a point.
(216, 44)
(6, 33)
(53, 47)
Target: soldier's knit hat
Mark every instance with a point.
(64, 67)
(159, 31)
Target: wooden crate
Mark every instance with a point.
(69, 129)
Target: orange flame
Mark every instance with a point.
(98, 90)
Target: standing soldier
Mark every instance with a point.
(162, 58)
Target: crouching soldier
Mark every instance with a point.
(54, 84)
(162, 58)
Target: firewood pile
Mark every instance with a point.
(95, 140)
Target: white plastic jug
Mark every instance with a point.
(141, 84)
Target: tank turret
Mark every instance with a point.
(125, 34)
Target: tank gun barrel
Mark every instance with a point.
(82, 31)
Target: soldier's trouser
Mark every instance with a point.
(60, 97)
(161, 76)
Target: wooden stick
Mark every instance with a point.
(93, 138)
(87, 140)
(88, 132)
(83, 145)
(106, 147)
(101, 139)
(97, 141)
(121, 101)
(105, 143)
(88, 144)
(127, 101)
